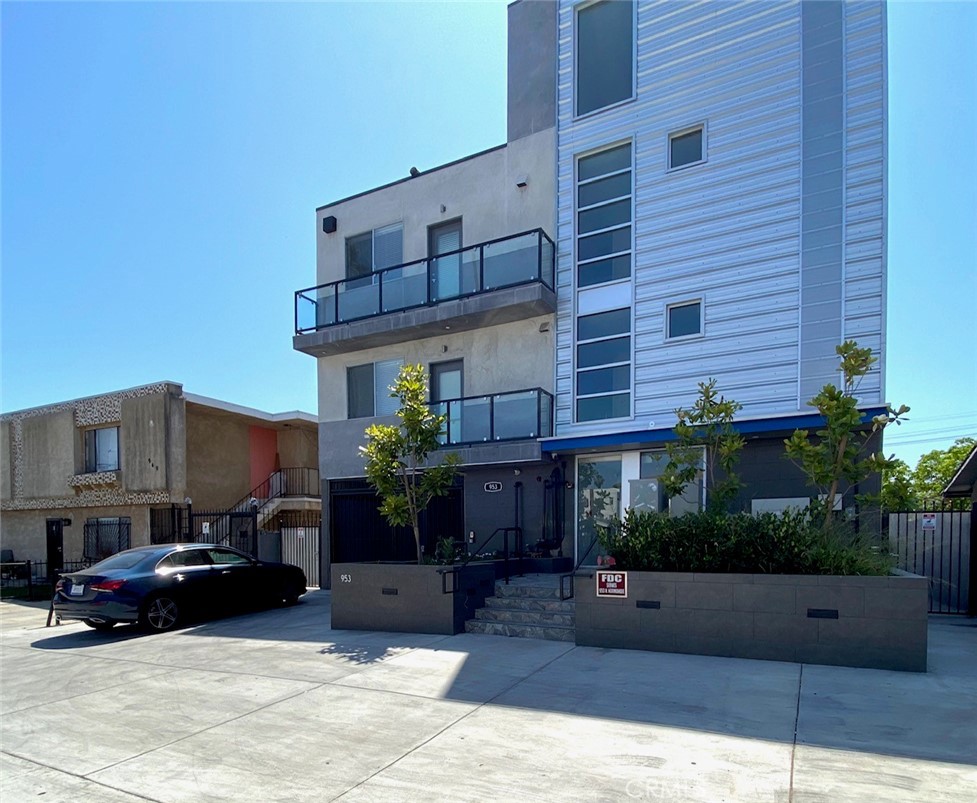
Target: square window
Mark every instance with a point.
(684, 320)
(604, 54)
(368, 389)
(102, 449)
(685, 148)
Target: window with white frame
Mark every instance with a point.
(686, 147)
(604, 216)
(374, 250)
(102, 449)
(368, 388)
(683, 320)
(604, 55)
(603, 365)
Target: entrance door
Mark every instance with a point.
(445, 270)
(598, 501)
(447, 385)
(55, 547)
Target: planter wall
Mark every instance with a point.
(877, 622)
(406, 598)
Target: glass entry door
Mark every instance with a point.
(446, 387)
(598, 501)
(445, 270)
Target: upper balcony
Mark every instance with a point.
(494, 282)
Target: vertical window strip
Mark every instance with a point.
(603, 253)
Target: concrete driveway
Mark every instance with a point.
(276, 706)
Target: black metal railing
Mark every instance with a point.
(185, 523)
(104, 537)
(569, 575)
(516, 415)
(453, 572)
(32, 579)
(518, 259)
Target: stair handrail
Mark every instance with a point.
(457, 567)
(244, 503)
(590, 546)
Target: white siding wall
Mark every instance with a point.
(865, 186)
(727, 231)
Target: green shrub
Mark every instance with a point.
(769, 543)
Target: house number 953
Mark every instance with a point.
(345, 578)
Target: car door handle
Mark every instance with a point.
(226, 571)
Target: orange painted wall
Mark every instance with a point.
(264, 451)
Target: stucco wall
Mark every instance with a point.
(297, 447)
(25, 531)
(497, 359)
(218, 459)
(481, 191)
(49, 458)
(142, 441)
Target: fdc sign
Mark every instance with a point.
(612, 584)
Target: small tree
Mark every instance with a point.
(709, 425)
(396, 454)
(833, 463)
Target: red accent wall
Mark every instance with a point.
(264, 450)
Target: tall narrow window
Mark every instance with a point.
(604, 365)
(604, 55)
(102, 449)
(604, 216)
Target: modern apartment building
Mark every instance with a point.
(712, 176)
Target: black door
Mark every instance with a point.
(55, 547)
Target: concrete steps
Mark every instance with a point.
(524, 610)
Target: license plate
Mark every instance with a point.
(76, 591)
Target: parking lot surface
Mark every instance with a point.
(276, 706)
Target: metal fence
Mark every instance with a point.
(32, 580)
(937, 543)
(299, 534)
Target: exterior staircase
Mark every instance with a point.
(526, 608)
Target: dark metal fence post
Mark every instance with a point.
(972, 580)
(30, 581)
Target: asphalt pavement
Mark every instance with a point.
(277, 706)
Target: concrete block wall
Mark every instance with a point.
(878, 622)
(406, 598)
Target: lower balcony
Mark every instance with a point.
(514, 416)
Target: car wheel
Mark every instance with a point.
(160, 614)
(100, 626)
(290, 594)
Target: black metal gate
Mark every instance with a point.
(939, 544)
(296, 533)
(360, 534)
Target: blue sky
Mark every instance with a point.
(161, 166)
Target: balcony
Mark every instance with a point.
(518, 415)
(493, 282)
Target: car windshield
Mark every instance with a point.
(123, 560)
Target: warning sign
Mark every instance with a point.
(612, 584)
(929, 521)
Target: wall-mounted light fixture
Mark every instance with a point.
(329, 224)
(522, 181)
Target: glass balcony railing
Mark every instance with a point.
(519, 415)
(506, 262)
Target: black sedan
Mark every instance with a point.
(163, 586)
